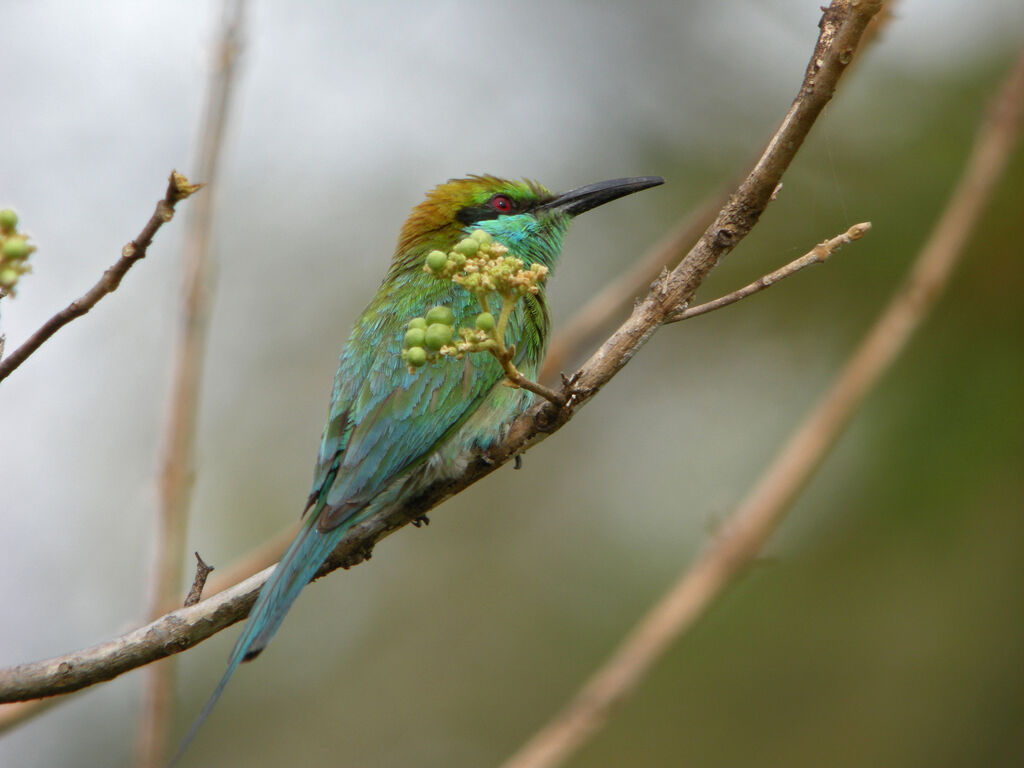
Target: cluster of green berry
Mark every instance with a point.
(425, 336)
(14, 251)
(479, 265)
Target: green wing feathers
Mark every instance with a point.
(384, 421)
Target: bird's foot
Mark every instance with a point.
(570, 392)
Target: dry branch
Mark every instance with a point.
(741, 538)
(177, 474)
(841, 26)
(178, 188)
(170, 634)
(817, 255)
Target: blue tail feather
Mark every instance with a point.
(305, 555)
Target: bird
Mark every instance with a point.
(393, 428)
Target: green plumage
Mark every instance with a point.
(390, 431)
(385, 422)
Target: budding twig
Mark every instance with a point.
(178, 188)
(817, 255)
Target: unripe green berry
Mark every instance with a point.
(416, 356)
(436, 260)
(8, 219)
(459, 258)
(15, 248)
(8, 277)
(440, 314)
(414, 338)
(467, 246)
(438, 334)
(485, 321)
(482, 237)
(418, 322)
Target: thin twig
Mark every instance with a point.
(817, 255)
(203, 571)
(753, 521)
(517, 379)
(177, 475)
(178, 188)
(841, 28)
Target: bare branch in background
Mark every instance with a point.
(177, 474)
(741, 538)
(13, 715)
(178, 188)
(842, 26)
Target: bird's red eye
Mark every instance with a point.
(501, 203)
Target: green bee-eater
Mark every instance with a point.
(390, 429)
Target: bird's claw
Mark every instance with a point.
(569, 389)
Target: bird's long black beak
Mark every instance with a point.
(576, 201)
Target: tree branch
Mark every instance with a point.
(841, 28)
(517, 379)
(178, 188)
(602, 308)
(817, 255)
(617, 295)
(170, 634)
(750, 525)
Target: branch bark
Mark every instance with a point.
(842, 26)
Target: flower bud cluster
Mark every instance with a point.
(14, 251)
(479, 264)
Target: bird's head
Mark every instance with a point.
(522, 215)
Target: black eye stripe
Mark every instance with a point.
(474, 213)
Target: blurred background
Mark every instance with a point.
(886, 623)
